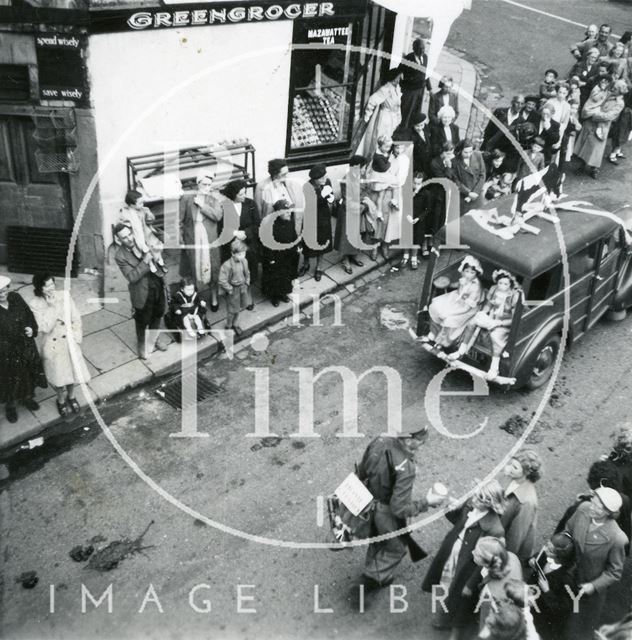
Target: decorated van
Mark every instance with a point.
(524, 283)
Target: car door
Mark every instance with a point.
(605, 276)
(581, 268)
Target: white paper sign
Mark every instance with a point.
(353, 494)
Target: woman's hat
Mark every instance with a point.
(610, 498)
(5, 281)
(418, 118)
(317, 171)
(280, 205)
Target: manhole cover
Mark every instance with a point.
(171, 390)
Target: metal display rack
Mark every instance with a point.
(230, 161)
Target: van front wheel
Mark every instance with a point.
(544, 362)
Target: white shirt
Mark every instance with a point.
(512, 116)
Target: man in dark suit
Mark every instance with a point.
(443, 96)
(529, 112)
(507, 116)
(413, 82)
(146, 288)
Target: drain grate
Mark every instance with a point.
(171, 390)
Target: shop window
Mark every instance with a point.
(323, 85)
(330, 82)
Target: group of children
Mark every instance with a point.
(188, 310)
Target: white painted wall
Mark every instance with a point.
(133, 73)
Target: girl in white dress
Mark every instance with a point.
(450, 312)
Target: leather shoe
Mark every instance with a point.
(318, 275)
(159, 346)
(373, 585)
(31, 404)
(12, 413)
(250, 307)
(358, 263)
(275, 303)
(214, 307)
(285, 299)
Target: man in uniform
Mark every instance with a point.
(388, 469)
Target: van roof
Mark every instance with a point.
(527, 254)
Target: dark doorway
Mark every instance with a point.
(27, 196)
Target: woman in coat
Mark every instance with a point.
(241, 212)
(400, 167)
(444, 131)
(497, 567)
(20, 364)
(600, 554)
(453, 566)
(621, 455)
(349, 214)
(61, 354)
(520, 518)
(280, 266)
(600, 110)
(383, 112)
(320, 184)
(470, 173)
(200, 215)
(381, 182)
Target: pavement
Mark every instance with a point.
(108, 328)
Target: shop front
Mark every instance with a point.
(183, 86)
(47, 142)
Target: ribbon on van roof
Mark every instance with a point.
(581, 206)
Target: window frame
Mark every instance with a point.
(370, 30)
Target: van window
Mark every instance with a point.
(545, 285)
(610, 243)
(582, 262)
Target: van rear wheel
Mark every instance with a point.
(544, 362)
